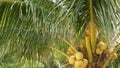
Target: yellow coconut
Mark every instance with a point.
(98, 51)
(114, 56)
(70, 51)
(79, 55)
(68, 54)
(85, 62)
(78, 64)
(71, 59)
(110, 50)
(102, 45)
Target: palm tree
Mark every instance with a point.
(37, 33)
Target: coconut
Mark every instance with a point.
(69, 54)
(79, 55)
(78, 64)
(98, 51)
(114, 56)
(70, 51)
(85, 62)
(110, 50)
(72, 59)
(102, 45)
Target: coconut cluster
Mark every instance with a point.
(76, 58)
(102, 47)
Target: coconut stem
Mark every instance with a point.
(68, 44)
(88, 48)
(93, 29)
(59, 51)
